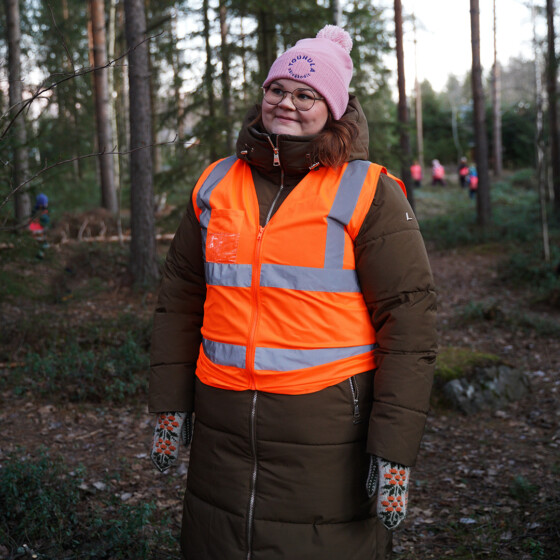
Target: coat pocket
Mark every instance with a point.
(355, 393)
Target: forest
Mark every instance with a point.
(109, 112)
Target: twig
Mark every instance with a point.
(82, 228)
(82, 72)
(111, 238)
(76, 158)
(90, 434)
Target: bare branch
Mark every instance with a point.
(78, 73)
(70, 59)
(113, 152)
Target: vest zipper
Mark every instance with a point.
(269, 215)
(355, 396)
(253, 490)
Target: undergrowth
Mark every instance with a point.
(524, 321)
(448, 220)
(46, 512)
(72, 373)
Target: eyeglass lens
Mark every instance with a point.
(303, 99)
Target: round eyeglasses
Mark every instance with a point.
(302, 98)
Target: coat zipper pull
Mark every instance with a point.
(355, 399)
(276, 156)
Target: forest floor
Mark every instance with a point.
(485, 486)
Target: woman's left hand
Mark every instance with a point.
(172, 428)
(391, 482)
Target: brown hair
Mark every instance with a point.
(333, 145)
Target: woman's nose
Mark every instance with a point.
(287, 102)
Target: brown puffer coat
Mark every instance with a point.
(281, 476)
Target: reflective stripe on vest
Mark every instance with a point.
(278, 359)
(214, 177)
(276, 317)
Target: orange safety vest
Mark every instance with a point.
(284, 311)
(416, 171)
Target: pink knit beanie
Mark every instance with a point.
(322, 63)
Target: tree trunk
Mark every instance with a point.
(266, 49)
(143, 255)
(102, 107)
(244, 66)
(539, 141)
(481, 143)
(177, 81)
(336, 10)
(209, 82)
(418, 94)
(68, 108)
(404, 138)
(551, 81)
(226, 78)
(153, 74)
(497, 108)
(20, 156)
(111, 48)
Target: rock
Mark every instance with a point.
(487, 388)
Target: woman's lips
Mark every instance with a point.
(284, 118)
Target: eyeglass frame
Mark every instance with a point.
(285, 92)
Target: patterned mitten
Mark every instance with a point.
(170, 428)
(391, 482)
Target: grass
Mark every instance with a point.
(45, 509)
(490, 310)
(75, 370)
(448, 220)
(448, 217)
(100, 360)
(520, 523)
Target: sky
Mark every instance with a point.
(444, 37)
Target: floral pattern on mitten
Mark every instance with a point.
(392, 496)
(171, 429)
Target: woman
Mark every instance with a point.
(296, 319)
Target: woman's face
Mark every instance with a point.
(284, 118)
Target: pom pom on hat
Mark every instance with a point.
(322, 63)
(336, 35)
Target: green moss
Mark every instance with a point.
(454, 362)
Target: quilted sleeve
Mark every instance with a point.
(178, 317)
(399, 292)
